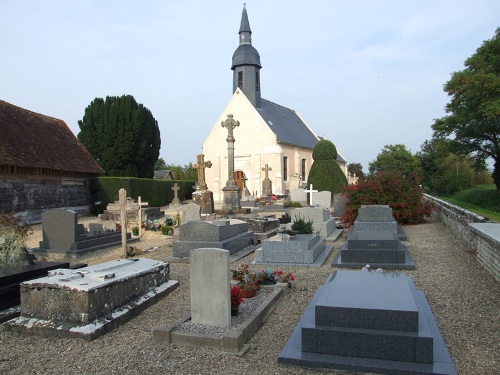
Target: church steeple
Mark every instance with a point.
(246, 63)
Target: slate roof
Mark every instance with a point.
(287, 125)
(30, 139)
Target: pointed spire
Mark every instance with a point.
(245, 25)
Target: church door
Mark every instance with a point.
(238, 178)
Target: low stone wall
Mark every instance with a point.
(474, 231)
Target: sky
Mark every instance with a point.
(363, 74)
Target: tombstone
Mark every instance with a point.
(95, 228)
(61, 234)
(203, 196)
(377, 218)
(323, 199)
(369, 322)
(232, 235)
(267, 185)
(323, 223)
(176, 203)
(339, 202)
(91, 301)
(190, 212)
(210, 293)
(299, 249)
(109, 226)
(299, 195)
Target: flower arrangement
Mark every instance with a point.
(368, 269)
(236, 297)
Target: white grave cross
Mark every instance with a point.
(311, 191)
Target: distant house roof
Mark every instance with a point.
(163, 174)
(30, 139)
(287, 125)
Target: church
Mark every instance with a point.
(270, 139)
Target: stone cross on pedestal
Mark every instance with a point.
(201, 165)
(310, 191)
(176, 188)
(231, 190)
(266, 170)
(267, 186)
(123, 206)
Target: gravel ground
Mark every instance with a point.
(463, 297)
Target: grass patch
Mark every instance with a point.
(483, 200)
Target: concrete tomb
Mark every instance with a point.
(262, 227)
(369, 322)
(339, 202)
(299, 249)
(91, 301)
(190, 212)
(231, 234)
(62, 234)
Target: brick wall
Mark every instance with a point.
(483, 247)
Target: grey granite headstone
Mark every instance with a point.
(369, 322)
(59, 229)
(339, 202)
(377, 218)
(191, 212)
(323, 199)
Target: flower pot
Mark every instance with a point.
(249, 292)
(235, 310)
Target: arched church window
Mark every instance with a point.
(303, 169)
(285, 168)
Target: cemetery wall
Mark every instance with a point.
(31, 196)
(483, 247)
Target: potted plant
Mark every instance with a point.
(236, 299)
(248, 281)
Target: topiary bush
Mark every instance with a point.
(301, 226)
(325, 173)
(402, 194)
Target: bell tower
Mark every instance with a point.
(246, 64)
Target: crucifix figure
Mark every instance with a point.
(201, 165)
(310, 191)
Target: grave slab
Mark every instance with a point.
(91, 301)
(232, 235)
(377, 218)
(379, 249)
(298, 250)
(369, 322)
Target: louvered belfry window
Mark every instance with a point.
(240, 80)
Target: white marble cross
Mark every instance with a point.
(311, 191)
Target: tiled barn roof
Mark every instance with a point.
(29, 139)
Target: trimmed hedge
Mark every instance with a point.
(325, 173)
(156, 192)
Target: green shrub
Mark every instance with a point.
(301, 226)
(402, 194)
(165, 229)
(135, 231)
(292, 204)
(325, 173)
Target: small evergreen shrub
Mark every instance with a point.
(292, 204)
(402, 194)
(301, 226)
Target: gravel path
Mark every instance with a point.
(463, 297)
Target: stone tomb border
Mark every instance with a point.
(233, 340)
